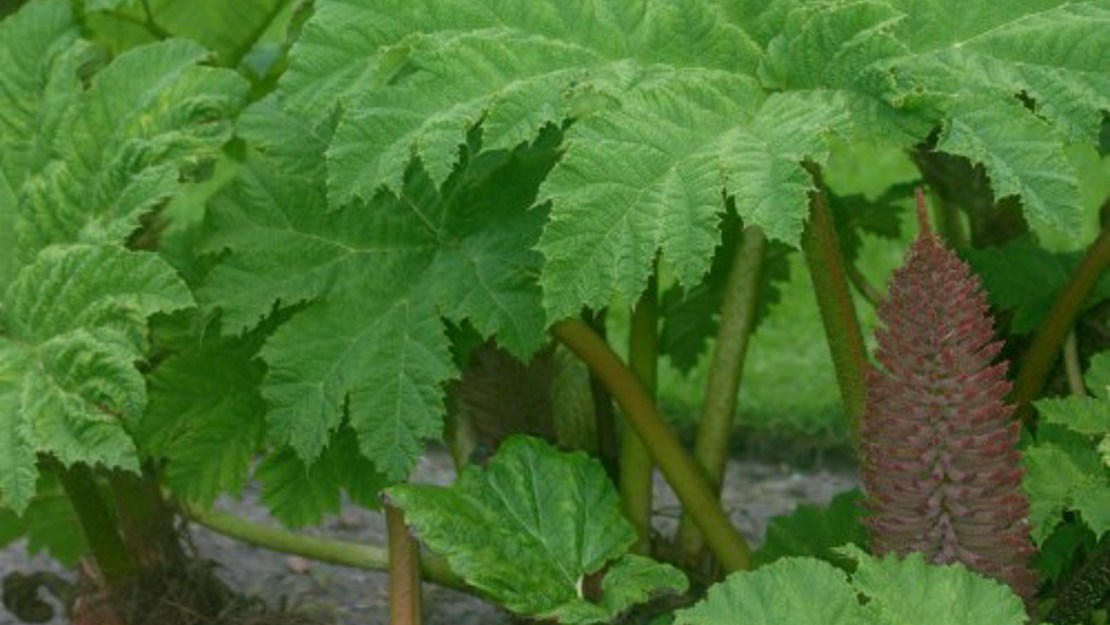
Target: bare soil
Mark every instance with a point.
(755, 491)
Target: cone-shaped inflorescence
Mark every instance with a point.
(940, 460)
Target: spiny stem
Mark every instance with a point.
(339, 552)
(405, 601)
(737, 320)
(683, 474)
(635, 461)
(1050, 336)
(838, 311)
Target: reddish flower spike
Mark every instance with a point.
(940, 460)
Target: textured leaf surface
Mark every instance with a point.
(1086, 415)
(1060, 478)
(1070, 472)
(893, 592)
(1022, 155)
(641, 180)
(529, 527)
(35, 45)
(846, 47)
(903, 66)
(912, 591)
(792, 590)
(122, 146)
(229, 29)
(379, 276)
(975, 62)
(74, 325)
(516, 64)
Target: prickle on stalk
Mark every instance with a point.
(940, 461)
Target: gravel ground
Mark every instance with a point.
(354, 596)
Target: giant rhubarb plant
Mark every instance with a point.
(941, 469)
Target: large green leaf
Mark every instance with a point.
(332, 60)
(975, 63)
(515, 67)
(649, 177)
(1023, 156)
(793, 590)
(530, 527)
(39, 57)
(73, 328)
(1010, 87)
(893, 592)
(206, 416)
(911, 590)
(379, 275)
(847, 47)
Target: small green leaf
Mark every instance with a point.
(528, 528)
(1098, 375)
(1066, 476)
(815, 530)
(799, 591)
(1086, 415)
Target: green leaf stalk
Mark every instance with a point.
(838, 310)
(737, 320)
(344, 553)
(682, 472)
(635, 459)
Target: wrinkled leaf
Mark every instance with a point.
(529, 527)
